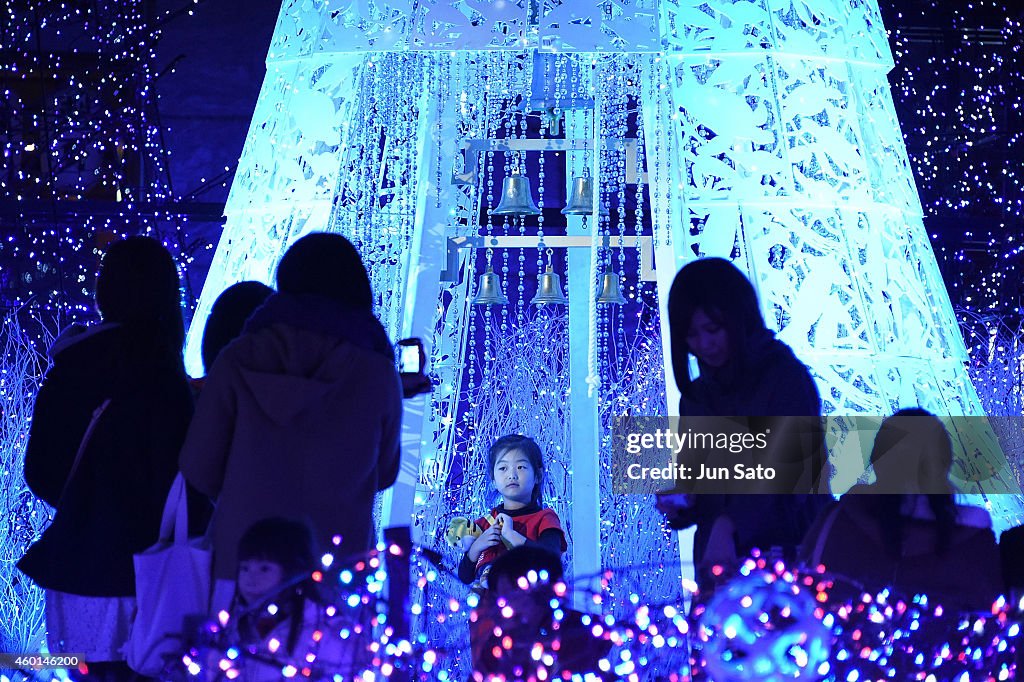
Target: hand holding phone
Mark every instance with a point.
(411, 362)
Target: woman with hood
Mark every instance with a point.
(744, 371)
(300, 416)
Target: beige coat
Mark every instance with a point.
(294, 423)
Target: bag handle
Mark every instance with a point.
(82, 445)
(175, 516)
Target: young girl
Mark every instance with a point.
(278, 609)
(517, 469)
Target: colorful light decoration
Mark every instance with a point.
(765, 134)
(764, 625)
(766, 622)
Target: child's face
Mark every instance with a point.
(257, 577)
(514, 478)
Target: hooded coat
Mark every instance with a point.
(299, 417)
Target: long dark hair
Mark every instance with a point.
(228, 315)
(138, 287)
(528, 447)
(717, 287)
(326, 265)
(926, 433)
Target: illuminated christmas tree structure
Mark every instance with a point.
(668, 130)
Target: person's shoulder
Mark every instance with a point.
(547, 517)
(781, 370)
(970, 516)
(79, 338)
(780, 358)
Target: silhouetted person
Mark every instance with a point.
(516, 614)
(906, 531)
(126, 378)
(228, 316)
(744, 371)
(300, 416)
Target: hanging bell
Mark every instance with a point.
(610, 291)
(488, 290)
(581, 202)
(516, 198)
(549, 289)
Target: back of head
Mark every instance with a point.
(283, 541)
(228, 315)
(528, 447)
(724, 293)
(912, 453)
(519, 561)
(138, 284)
(326, 265)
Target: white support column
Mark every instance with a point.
(426, 261)
(586, 487)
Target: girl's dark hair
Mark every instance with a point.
(519, 561)
(138, 288)
(288, 543)
(529, 447)
(228, 315)
(284, 541)
(930, 435)
(717, 287)
(326, 265)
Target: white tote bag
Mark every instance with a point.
(172, 584)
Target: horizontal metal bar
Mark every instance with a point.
(471, 149)
(644, 244)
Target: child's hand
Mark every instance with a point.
(512, 537)
(489, 538)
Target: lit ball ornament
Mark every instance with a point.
(762, 626)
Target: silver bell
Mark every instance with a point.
(581, 202)
(610, 291)
(488, 291)
(516, 198)
(549, 289)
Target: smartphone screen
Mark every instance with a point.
(409, 359)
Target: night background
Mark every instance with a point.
(144, 107)
(121, 117)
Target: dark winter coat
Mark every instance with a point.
(848, 540)
(773, 389)
(114, 500)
